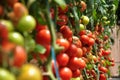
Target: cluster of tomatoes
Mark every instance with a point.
(24, 40)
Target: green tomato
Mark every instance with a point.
(104, 18)
(26, 23)
(8, 24)
(6, 75)
(85, 20)
(16, 38)
(30, 72)
(82, 27)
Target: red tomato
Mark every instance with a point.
(62, 59)
(20, 56)
(65, 73)
(102, 77)
(84, 50)
(11, 3)
(91, 42)
(62, 20)
(43, 37)
(76, 73)
(106, 37)
(72, 50)
(82, 32)
(65, 30)
(106, 52)
(83, 6)
(52, 13)
(40, 27)
(103, 69)
(77, 41)
(62, 11)
(80, 52)
(82, 63)
(84, 39)
(64, 43)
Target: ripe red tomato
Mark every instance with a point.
(103, 69)
(106, 52)
(62, 11)
(80, 52)
(82, 63)
(83, 6)
(11, 3)
(77, 41)
(20, 56)
(43, 37)
(65, 73)
(84, 39)
(40, 27)
(91, 42)
(62, 20)
(52, 13)
(82, 32)
(62, 59)
(64, 43)
(106, 37)
(102, 77)
(76, 73)
(72, 50)
(65, 30)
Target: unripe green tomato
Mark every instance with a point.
(8, 24)
(85, 20)
(26, 23)
(104, 18)
(82, 27)
(6, 75)
(16, 38)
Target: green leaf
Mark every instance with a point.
(39, 49)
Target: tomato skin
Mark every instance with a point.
(62, 59)
(43, 37)
(40, 27)
(52, 13)
(84, 39)
(11, 3)
(102, 77)
(72, 50)
(65, 30)
(77, 41)
(103, 69)
(82, 32)
(63, 11)
(30, 72)
(83, 6)
(83, 63)
(85, 20)
(76, 73)
(65, 73)
(20, 56)
(63, 20)
(64, 43)
(106, 52)
(80, 52)
(91, 42)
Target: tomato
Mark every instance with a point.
(62, 59)
(104, 18)
(7, 46)
(77, 41)
(91, 42)
(19, 10)
(43, 37)
(80, 52)
(8, 24)
(16, 38)
(84, 39)
(1, 10)
(106, 52)
(85, 20)
(76, 73)
(6, 75)
(11, 3)
(83, 6)
(84, 50)
(26, 23)
(52, 13)
(62, 11)
(40, 27)
(82, 32)
(3, 34)
(65, 73)
(82, 63)
(106, 37)
(65, 30)
(82, 27)
(29, 72)
(103, 69)
(20, 56)
(64, 43)
(102, 77)
(72, 50)
(62, 20)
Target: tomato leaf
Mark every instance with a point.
(39, 49)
